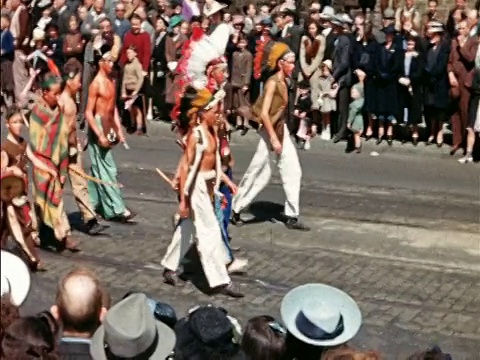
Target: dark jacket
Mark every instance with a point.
(342, 71)
(412, 100)
(437, 85)
(388, 66)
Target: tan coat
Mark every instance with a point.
(173, 52)
(311, 57)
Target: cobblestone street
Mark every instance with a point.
(399, 232)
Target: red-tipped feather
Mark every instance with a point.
(53, 68)
(197, 33)
(257, 61)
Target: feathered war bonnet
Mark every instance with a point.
(193, 90)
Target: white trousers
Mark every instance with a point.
(259, 172)
(206, 229)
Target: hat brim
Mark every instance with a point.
(216, 7)
(293, 303)
(16, 272)
(166, 343)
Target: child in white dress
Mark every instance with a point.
(327, 100)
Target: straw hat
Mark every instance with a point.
(15, 278)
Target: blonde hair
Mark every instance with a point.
(202, 98)
(347, 353)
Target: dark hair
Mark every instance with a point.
(71, 69)
(31, 337)
(433, 353)
(47, 80)
(9, 312)
(132, 47)
(261, 340)
(136, 17)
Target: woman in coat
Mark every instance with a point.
(312, 49)
(411, 85)
(388, 63)
(159, 63)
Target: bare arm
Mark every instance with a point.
(37, 163)
(92, 99)
(3, 161)
(24, 94)
(189, 158)
(267, 103)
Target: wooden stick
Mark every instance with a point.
(164, 177)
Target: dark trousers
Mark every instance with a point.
(343, 102)
(460, 116)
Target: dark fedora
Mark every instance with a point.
(389, 30)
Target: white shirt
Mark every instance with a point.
(285, 29)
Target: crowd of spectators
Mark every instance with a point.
(317, 322)
(412, 70)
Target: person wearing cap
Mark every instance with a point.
(269, 113)
(173, 53)
(437, 87)
(342, 75)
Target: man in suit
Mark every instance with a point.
(291, 34)
(60, 16)
(342, 74)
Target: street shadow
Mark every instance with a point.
(266, 211)
(77, 224)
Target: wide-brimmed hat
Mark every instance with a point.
(320, 315)
(436, 29)
(15, 278)
(211, 8)
(337, 20)
(327, 13)
(389, 30)
(130, 330)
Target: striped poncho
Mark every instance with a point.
(49, 142)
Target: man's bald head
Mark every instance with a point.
(79, 301)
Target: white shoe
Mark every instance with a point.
(238, 265)
(326, 134)
(307, 146)
(466, 159)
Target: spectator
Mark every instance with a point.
(19, 29)
(15, 278)
(264, 339)
(60, 16)
(80, 307)
(318, 317)
(159, 69)
(7, 54)
(436, 85)
(31, 337)
(74, 44)
(131, 331)
(432, 14)
(120, 25)
(146, 27)
(9, 313)
(207, 333)
(141, 41)
(408, 11)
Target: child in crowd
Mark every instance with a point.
(54, 45)
(6, 61)
(131, 85)
(303, 112)
(242, 63)
(355, 115)
(326, 101)
(15, 218)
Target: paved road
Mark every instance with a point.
(400, 232)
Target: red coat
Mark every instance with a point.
(142, 43)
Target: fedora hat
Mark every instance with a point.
(337, 20)
(327, 13)
(320, 315)
(130, 330)
(213, 7)
(15, 278)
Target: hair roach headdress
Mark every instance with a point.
(200, 54)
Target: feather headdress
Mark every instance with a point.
(278, 51)
(198, 53)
